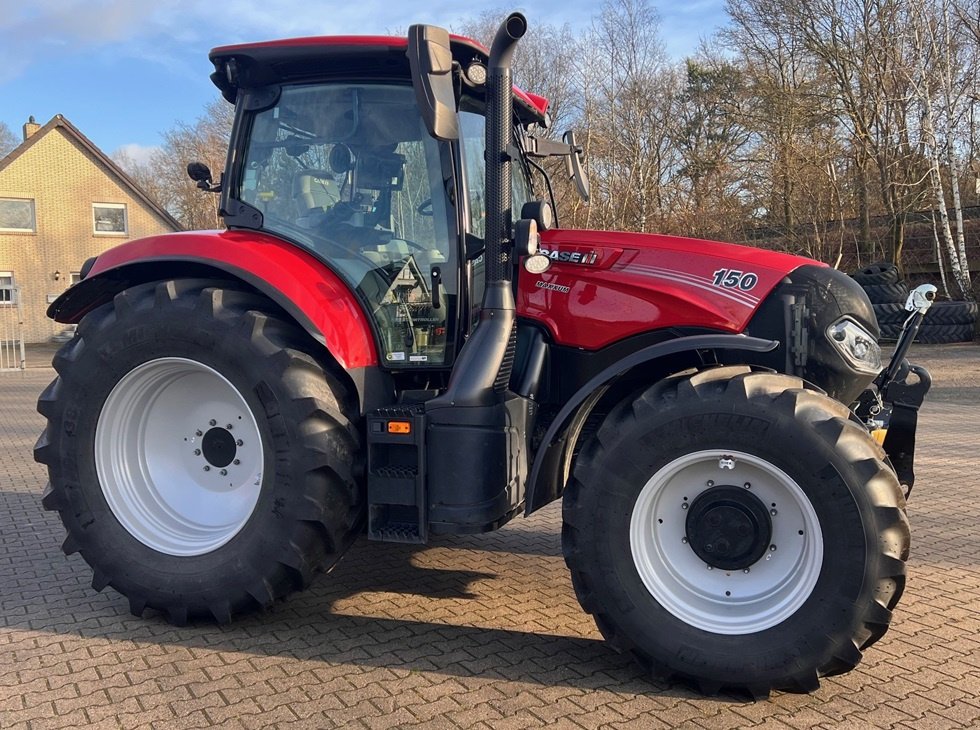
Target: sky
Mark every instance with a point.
(124, 71)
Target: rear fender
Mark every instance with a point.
(309, 292)
(553, 459)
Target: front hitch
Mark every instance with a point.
(891, 404)
(918, 303)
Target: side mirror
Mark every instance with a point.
(198, 172)
(575, 168)
(201, 174)
(431, 62)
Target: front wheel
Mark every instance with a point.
(736, 529)
(201, 461)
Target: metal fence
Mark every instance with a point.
(12, 355)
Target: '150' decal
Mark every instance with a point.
(734, 279)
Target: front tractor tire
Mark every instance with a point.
(201, 461)
(737, 530)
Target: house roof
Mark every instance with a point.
(59, 122)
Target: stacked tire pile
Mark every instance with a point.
(945, 322)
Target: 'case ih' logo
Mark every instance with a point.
(587, 258)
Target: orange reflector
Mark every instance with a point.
(879, 435)
(399, 427)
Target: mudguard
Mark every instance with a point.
(554, 454)
(304, 287)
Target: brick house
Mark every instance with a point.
(62, 200)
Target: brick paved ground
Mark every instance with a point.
(479, 632)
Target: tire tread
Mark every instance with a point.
(318, 406)
(791, 396)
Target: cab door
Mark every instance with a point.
(350, 172)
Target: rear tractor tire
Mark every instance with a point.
(201, 461)
(736, 529)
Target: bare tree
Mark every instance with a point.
(932, 83)
(795, 155)
(8, 140)
(864, 46)
(629, 92)
(164, 176)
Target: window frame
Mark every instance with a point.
(112, 206)
(11, 288)
(33, 205)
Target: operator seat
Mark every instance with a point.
(314, 191)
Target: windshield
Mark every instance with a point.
(349, 172)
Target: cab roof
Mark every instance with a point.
(347, 56)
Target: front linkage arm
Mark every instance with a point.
(894, 401)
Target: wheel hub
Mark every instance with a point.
(728, 528)
(175, 484)
(218, 447)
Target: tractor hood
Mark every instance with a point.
(606, 286)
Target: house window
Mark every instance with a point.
(109, 219)
(17, 215)
(8, 294)
(74, 278)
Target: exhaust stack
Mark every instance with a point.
(482, 370)
(500, 136)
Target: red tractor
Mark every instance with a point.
(393, 336)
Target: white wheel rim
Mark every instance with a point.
(720, 601)
(170, 476)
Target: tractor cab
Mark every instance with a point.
(358, 163)
(349, 172)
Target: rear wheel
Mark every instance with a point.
(738, 530)
(201, 461)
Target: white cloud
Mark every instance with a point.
(172, 32)
(166, 30)
(137, 154)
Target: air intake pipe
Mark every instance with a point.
(500, 137)
(482, 370)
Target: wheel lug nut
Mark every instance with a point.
(236, 462)
(224, 472)
(199, 433)
(748, 485)
(228, 427)
(746, 570)
(773, 512)
(711, 483)
(710, 568)
(684, 506)
(240, 442)
(772, 548)
(684, 540)
(207, 468)
(212, 422)
(197, 452)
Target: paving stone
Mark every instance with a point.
(468, 632)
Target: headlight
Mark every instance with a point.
(857, 346)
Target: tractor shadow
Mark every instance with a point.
(378, 608)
